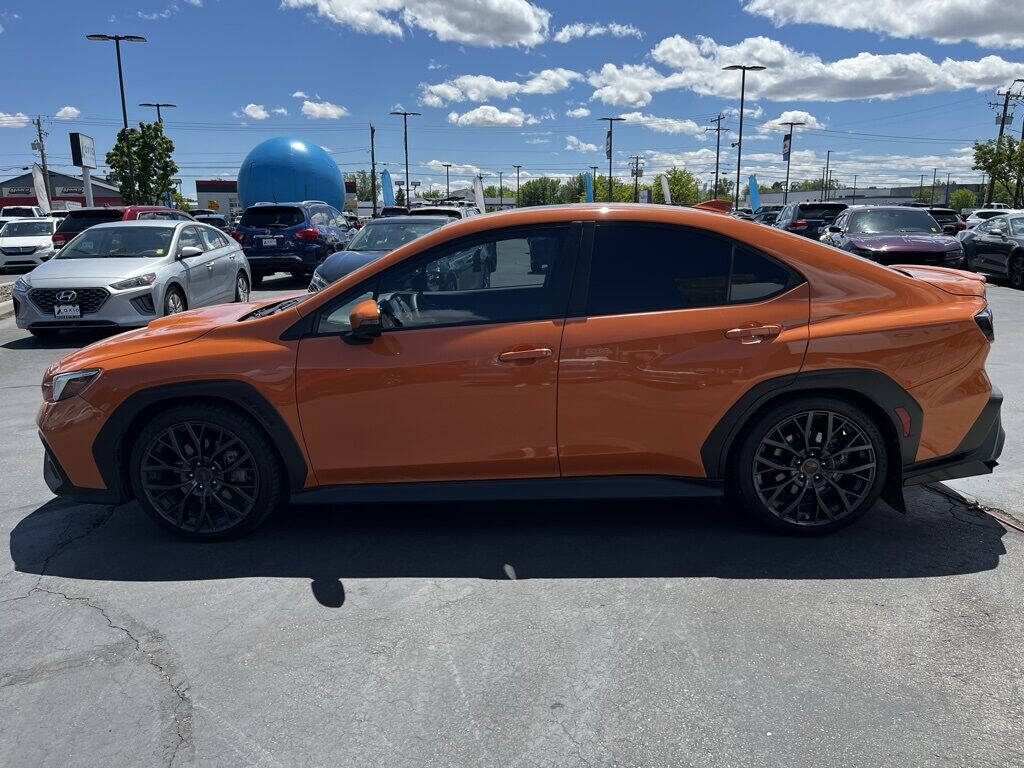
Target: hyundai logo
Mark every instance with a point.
(67, 296)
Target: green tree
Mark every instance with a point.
(573, 190)
(181, 202)
(1004, 163)
(682, 185)
(622, 192)
(724, 189)
(151, 156)
(433, 194)
(506, 191)
(540, 191)
(962, 198)
(400, 196)
(364, 190)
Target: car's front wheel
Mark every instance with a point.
(1015, 272)
(811, 465)
(174, 301)
(206, 471)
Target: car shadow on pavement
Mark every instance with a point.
(581, 540)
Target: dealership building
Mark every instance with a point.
(219, 195)
(66, 191)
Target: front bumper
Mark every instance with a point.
(58, 482)
(977, 453)
(121, 309)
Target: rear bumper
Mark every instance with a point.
(977, 454)
(285, 261)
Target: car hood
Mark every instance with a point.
(340, 263)
(25, 242)
(57, 272)
(903, 242)
(160, 333)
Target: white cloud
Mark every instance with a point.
(664, 124)
(196, 3)
(748, 112)
(68, 113)
(580, 29)
(459, 169)
(488, 23)
(166, 13)
(989, 23)
(16, 120)
(538, 140)
(487, 115)
(300, 95)
(323, 110)
(255, 111)
(578, 112)
(480, 88)
(435, 65)
(794, 75)
(775, 125)
(575, 145)
(279, 111)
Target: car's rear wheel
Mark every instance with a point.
(206, 471)
(811, 465)
(1015, 272)
(241, 287)
(174, 301)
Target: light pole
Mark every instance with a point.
(158, 105)
(518, 168)
(743, 68)
(608, 149)
(501, 193)
(789, 158)
(405, 136)
(447, 185)
(828, 175)
(124, 110)
(717, 130)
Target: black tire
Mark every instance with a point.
(211, 502)
(1015, 271)
(45, 334)
(173, 299)
(773, 467)
(257, 280)
(301, 274)
(241, 287)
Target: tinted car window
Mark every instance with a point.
(119, 242)
(996, 222)
(76, 221)
(893, 220)
(641, 268)
(190, 238)
(387, 235)
(646, 268)
(273, 216)
(11, 210)
(819, 211)
(1017, 225)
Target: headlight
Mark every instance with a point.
(134, 282)
(65, 385)
(22, 284)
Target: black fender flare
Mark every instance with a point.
(109, 447)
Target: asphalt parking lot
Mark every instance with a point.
(568, 634)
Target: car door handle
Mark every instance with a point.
(514, 355)
(754, 334)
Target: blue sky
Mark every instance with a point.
(893, 89)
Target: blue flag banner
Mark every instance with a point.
(588, 182)
(755, 197)
(387, 189)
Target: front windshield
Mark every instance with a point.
(119, 243)
(26, 228)
(883, 221)
(386, 235)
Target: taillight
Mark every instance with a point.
(58, 238)
(238, 236)
(797, 224)
(311, 233)
(986, 322)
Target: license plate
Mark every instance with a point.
(67, 310)
(269, 242)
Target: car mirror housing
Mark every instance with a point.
(997, 232)
(188, 251)
(833, 228)
(365, 321)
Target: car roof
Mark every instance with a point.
(143, 223)
(412, 219)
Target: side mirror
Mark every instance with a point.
(833, 228)
(188, 251)
(997, 232)
(365, 322)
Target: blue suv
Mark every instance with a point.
(290, 237)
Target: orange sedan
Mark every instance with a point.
(582, 351)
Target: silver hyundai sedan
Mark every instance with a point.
(124, 274)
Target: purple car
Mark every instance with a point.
(894, 235)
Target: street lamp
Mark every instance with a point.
(501, 193)
(608, 149)
(158, 105)
(447, 186)
(116, 39)
(405, 134)
(789, 158)
(518, 168)
(743, 68)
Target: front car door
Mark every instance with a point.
(989, 244)
(676, 325)
(461, 385)
(198, 269)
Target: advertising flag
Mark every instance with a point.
(787, 141)
(40, 187)
(755, 198)
(478, 193)
(588, 182)
(387, 189)
(665, 190)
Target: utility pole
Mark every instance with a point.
(636, 172)
(608, 148)
(405, 137)
(1016, 190)
(518, 168)
(40, 144)
(789, 158)
(447, 181)
(828, 162)
(853, 200)
(946, 202)
(373, 170)
(501, 193)
(822, 195)
(935, 178)
(999, 140)
(920, 189)
(717, 130)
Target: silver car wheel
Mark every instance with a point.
(241, 288)
(174, 303)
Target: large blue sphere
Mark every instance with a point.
(289, 169)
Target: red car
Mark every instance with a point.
(80, 219)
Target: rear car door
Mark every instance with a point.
(461, 385)
(198, 269)
(676, 324)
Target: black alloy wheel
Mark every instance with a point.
(813, 466)
(1015, 272)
